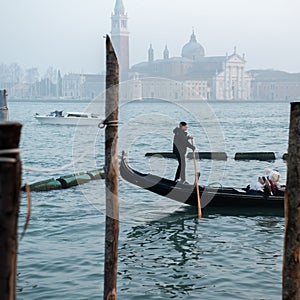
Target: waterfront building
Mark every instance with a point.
(200, 77)
(72, 86)
(82, 86)
(164, 88)
(93, 85)
(275, 85)
(131, 89)
(20, 90)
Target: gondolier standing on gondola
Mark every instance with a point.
(180, 144)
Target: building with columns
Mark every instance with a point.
(201, 77)
(230, 81)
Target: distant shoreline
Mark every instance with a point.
(50, 100)
(147, 100)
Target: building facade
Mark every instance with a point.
(275, 85)
(82, 86)
(200, 77)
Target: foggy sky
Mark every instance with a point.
(68, 34)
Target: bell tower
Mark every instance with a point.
(120, 37)
(150, 54)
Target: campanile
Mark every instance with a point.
(120, 37)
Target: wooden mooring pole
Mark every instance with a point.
(3, 106)
(111, 172)
(10, 183)
(291, 258)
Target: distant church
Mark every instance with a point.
(192, 76)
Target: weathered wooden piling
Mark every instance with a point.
(10, 182)
(3, 106)
(291, 256)
(111, 172)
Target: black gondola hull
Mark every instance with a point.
(211, 197)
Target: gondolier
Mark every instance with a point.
(180, 144)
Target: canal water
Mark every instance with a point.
(164, 251)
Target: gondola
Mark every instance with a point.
(211, 197)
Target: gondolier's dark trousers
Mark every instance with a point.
(180, 173)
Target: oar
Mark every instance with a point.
(196, 183)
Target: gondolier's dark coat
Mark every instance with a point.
(181, 142)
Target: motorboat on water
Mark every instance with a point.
(57, 117)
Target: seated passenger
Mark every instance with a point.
(268, 183)
(257, 185)
(273, 177)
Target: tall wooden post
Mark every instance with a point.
(10, 183)
(3, 106)
(111, 172)
(291, 259)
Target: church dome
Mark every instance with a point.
(192, 49)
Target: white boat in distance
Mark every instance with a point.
(70, 118)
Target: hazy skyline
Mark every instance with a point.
(68, 34)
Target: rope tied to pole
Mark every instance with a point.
(10, 151)
(28, 194)
(9, 159)
(106, 123)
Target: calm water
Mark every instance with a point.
(164, 252)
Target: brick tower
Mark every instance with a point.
(120, 37)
